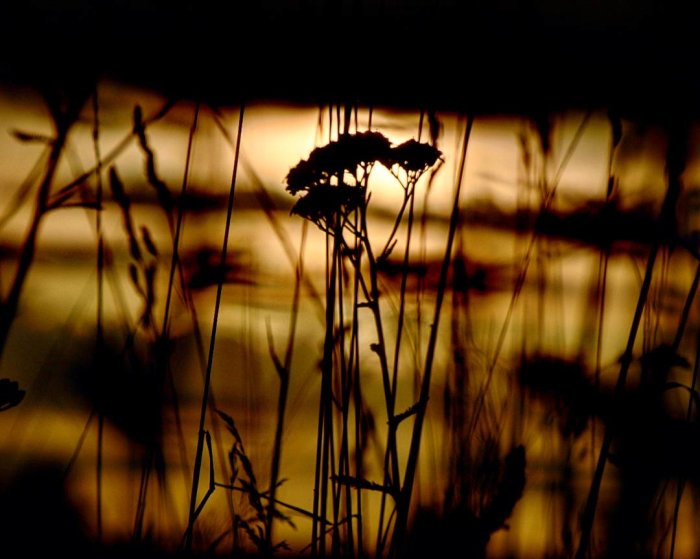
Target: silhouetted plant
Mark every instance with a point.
(465, 527)
(64, 101)
(645, 444)
(257, 524)
(333, 184)
(648, 444)
(565, 388)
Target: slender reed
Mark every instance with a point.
(682, 323)
(675, 163)
(99, 342)
(210, 361)
(176, 265)
(62, 125)
(325, 415)
(522, 275)
(283, 371)
(404, 500)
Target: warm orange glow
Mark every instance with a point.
(494, 318)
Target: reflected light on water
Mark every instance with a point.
(570, 293)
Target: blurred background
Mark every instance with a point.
(574, 264)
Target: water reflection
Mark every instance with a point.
(556, 221)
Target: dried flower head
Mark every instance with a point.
(413, 156)
(346, 155)
(325, 205)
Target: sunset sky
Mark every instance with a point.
(578, 120)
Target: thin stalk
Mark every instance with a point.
(11, 302)
(161, 365)
(420, 281)
(682, 480)
(391, 464)
(268, 206)
(389, 242)
(175, 259)
(176, 264)
(210, 361)
(99, 341)
(359, 446)
(520, 280)
(284, 373)
(196, 330)
(247, 490)
(357, 399)
(689, 413)
(25, 187)
(116, 151)
(667, 211)
(402, 291)
(686, 309)
(603, 263)
(373, 303)
(331, 476)
(324, 414)
(393, 426)
(343, 466)
(589, 510)
(404, 500)
(459, 449)
(143, 492)
(602, 289)
(154, 452)
(199, 343)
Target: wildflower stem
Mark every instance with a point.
(11, 302)
(178, 225)
(674, 170)
(284, 374)
(402, 292)
(325, 416)
(212, 344)
(680, 488)
(404, 499)
(99, 341)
